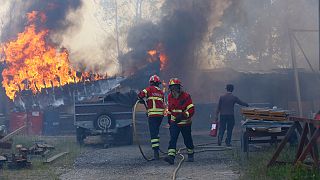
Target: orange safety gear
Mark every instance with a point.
(180, 109)
(174, 81)
(155, 100)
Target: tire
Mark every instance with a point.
(125, 135)
(80, 133)
(103, 122)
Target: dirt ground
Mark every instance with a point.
(126, 162)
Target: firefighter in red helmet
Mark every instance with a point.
(180, 111)
(155, 106)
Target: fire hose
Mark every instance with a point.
(135, 135)
(203, 147)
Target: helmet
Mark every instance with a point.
(155, 79)
(174, 81)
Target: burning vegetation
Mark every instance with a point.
(33, 63)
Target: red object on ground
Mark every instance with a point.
(214, 129)
(34, 119)
(317, 117)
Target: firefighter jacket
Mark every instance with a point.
(182, 108)
(155, 101)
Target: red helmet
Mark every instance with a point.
(155, 79)
(174, 81)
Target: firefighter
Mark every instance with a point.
(155, 107)
(180, 111)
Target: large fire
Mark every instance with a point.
(31, 63)
(158, 53)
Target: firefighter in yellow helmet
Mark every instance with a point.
(180, 111)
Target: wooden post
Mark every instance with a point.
(308, 149)
(282, 144)
(303, 140)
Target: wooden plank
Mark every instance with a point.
(316, 155)
(281, 146)
(10, 135)
(303, 140)
(314, 150)
(49, 160)
(315, 122)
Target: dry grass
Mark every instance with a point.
(44, 171)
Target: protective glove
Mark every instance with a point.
(141, 101)
(179, 117)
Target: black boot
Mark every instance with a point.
(156, 154)
(190, 158)
(219, 141)
(169, 159)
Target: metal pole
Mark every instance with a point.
(296, 76)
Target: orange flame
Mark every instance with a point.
(32, 63)
(158, 54)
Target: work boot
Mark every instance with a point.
(190, 158)
(156, 154)
(169, 159)
(219, 141)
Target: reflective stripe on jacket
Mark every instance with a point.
(182, 105)
(155, 100)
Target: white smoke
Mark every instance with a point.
(89, 43)
(4, 12)
(58, 103)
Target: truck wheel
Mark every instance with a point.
(80, 132)
(103, 122)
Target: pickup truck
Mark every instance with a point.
(107, 115)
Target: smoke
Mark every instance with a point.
(76, 25)
(141, 38)
(90, 44)
(55, 10)
(259, 32)
(181, 31)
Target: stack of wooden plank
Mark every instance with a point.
(265, 114)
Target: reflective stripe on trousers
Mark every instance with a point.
(154, 124)
(186, 134)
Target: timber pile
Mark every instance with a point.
(265, 114)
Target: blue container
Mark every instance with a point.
(51, 123)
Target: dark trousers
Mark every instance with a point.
(174, 134)
(154, 124)
(226, 122)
